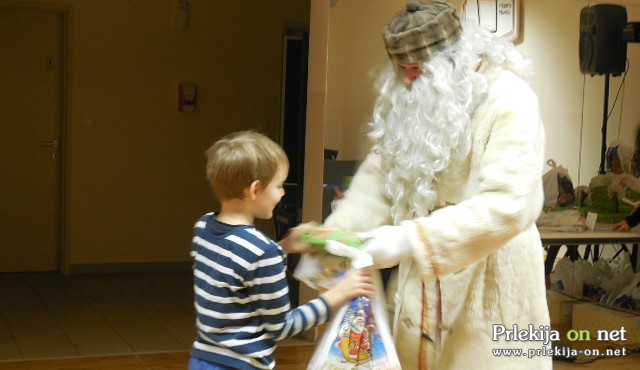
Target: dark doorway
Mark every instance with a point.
(294, 112)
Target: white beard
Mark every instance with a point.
(419, 132)
(422, 131)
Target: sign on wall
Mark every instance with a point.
(500, 17)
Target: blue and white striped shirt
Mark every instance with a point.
(242, 296)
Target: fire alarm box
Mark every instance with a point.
(186, 97)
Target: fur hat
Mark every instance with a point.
(420, 30)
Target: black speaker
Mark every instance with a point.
(602, 47)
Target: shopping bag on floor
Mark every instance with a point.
(629, 297)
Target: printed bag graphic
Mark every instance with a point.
(358, 338)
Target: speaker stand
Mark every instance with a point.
(605, 116)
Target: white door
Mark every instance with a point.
(31, 116)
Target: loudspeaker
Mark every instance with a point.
(602, 47)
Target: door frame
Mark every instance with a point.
(65, 12)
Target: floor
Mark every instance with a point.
(130, 321)
(294, 357)
(44, 315)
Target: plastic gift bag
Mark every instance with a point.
(601, 273)
(320, 269)
(558, 188)
(613, 160)
(629, 297)
(567, 277)
(622, 275)
(359, 336)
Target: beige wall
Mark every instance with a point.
(549, 35)
(135, 181)
(135, 165)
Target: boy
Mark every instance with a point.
(241, 292)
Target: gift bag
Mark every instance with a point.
(320, 269)
(622, 275)
(358, 338)
(601, 273)
(558, 187)
(564, 279)
(629, 297)
(613, 160)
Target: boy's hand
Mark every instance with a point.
(356, 283)
(292, 242)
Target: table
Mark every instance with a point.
(601, 235)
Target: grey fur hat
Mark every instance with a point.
(420, 30)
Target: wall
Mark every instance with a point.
(572, 103)
(355, 49)
(135, 165)
(135, 180)
(549, 35)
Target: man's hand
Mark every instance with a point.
(387, 245)
(622, 226)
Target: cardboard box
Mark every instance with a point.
(560, 310)
(594, 317)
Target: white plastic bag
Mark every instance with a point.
(320, 270)
(567, 277)
(558, 188)
(623, 274)
(358, 338)
(629, 297)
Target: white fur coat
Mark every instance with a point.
(477, 265)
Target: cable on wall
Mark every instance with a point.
(623, 88)
(584, 82)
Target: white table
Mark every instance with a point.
(601, 235)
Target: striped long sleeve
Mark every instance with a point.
(242, 297)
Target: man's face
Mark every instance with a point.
(410, 72)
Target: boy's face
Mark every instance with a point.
(269, 195)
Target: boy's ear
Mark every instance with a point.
(252, 191)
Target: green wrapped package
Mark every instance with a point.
(318, 236)
(610, 209)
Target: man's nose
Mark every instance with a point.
(409, 77)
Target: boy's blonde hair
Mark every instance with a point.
(239, 159)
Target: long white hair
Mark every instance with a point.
(421, 130)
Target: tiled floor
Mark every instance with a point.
(45, 315)
(48, 315)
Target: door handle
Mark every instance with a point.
(53, 143)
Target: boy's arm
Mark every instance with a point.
(269, 292)
(271, 298)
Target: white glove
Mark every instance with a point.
(387, 245)
(359, 259)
